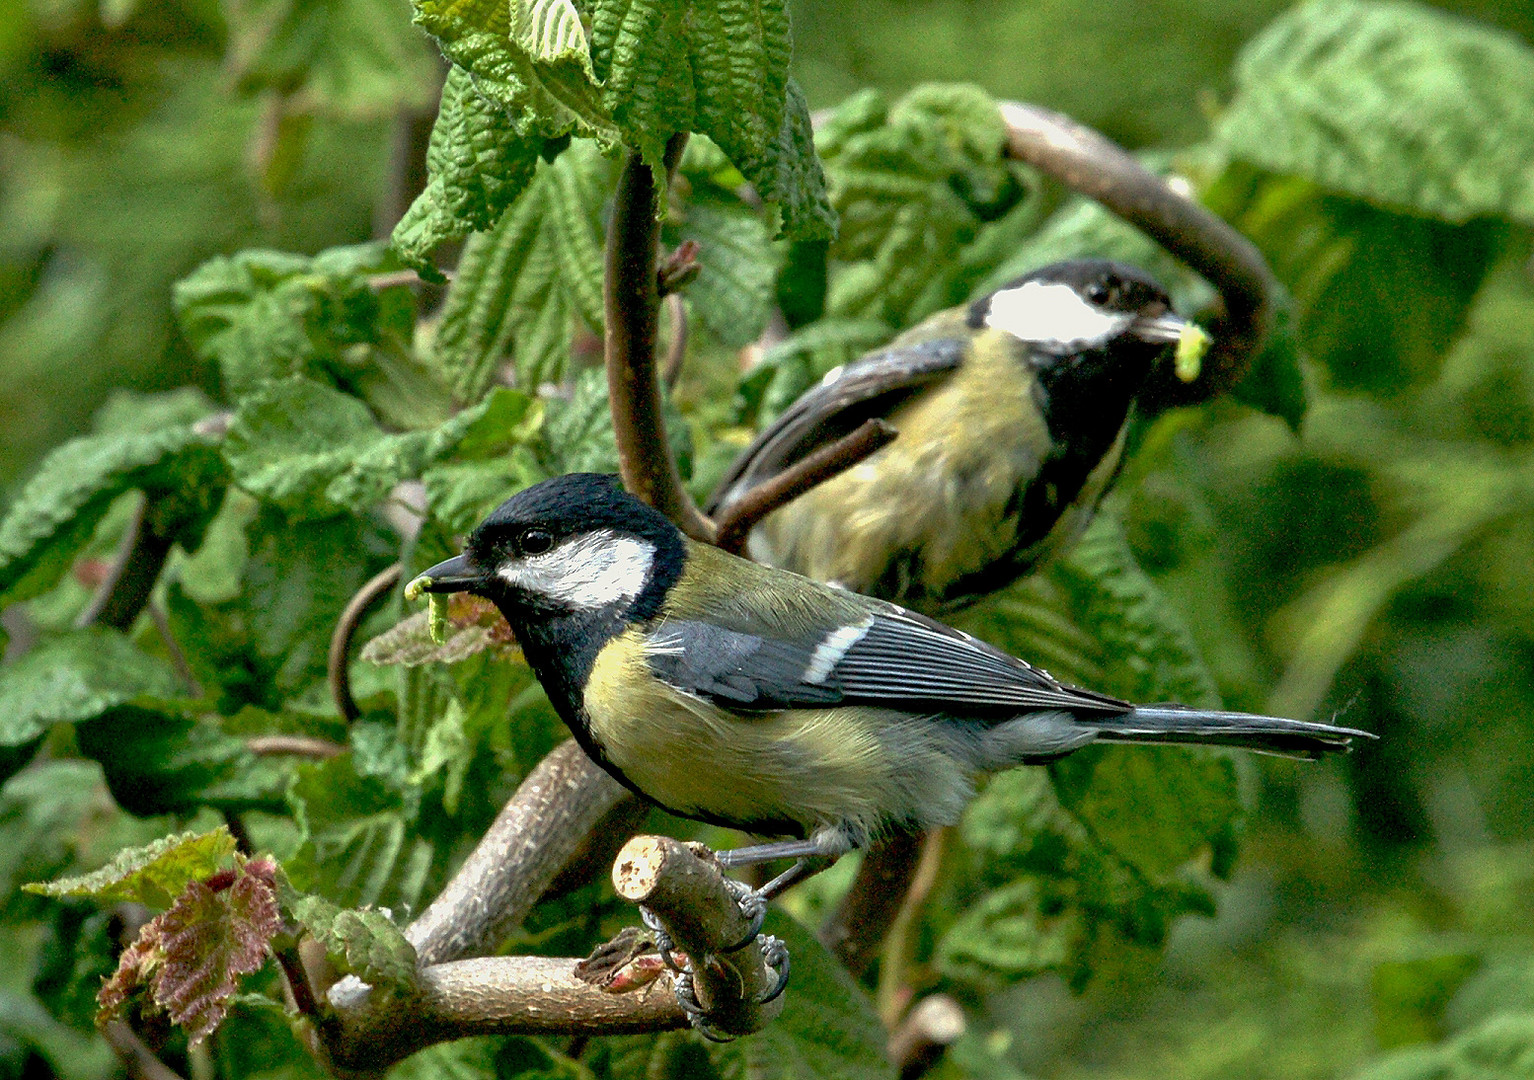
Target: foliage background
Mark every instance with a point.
(1376, 563)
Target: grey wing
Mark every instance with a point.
(893, 658)
(868, 387)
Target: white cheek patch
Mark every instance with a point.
(1054, 316)
(597, 570)
(830, 651)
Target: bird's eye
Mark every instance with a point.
(1098, 292)
(536, 541)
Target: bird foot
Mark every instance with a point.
(753, 905)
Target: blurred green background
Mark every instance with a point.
(1378, 565)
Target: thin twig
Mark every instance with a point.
(676, 351)
(178, 660)
(530, 842)
(337, 668)
(309, 746)
(856, 929)
(893, 991)
(138, 1060)
(135, 568)
(394, 278)
(686, 891)
(236, 826)
(1091, 164)
(736, 522)
(934, 1024)
(297, 978)
(630, 301)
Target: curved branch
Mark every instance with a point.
(1091, 164)
(630, 300)
(135, 568)
(736, 522)
(493, 995)
(676, 352)
(336, 667)
(687, 893)
(856, 930)
(530, 842)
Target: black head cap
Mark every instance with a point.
(1110, 285)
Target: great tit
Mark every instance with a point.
(1011, 413)
(749, 696)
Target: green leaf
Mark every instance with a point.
(351, 56)
(912, 185)
(828, 1029)
(55, 514)
(358, 844)
(519, 286)
(313, 451)
(733, 292)
(162, 760)
(362, 943)
(1501, 1048)
(192, 956)
(1010, 933)
(580, 431)
(1410, 995)
(549, 99)
(74, 678)
(788, 174)
(1392, 102)
(476, 164)
(1153, 655)
(152, 875)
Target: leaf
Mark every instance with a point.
(828, 1029)
(580, 431)
(162, 760)
(74, 678)
(191, 956)
(519, 286)
(358, 845)
(549, 99)
(477, 163)
(1112, 599)
(1392, 102)
(912, 185)
(1501, 1048)
(55, 514)
(313, 450)
(362, 943)
(733, 292)
(358, 57)
(153, 875)
(1010, 933)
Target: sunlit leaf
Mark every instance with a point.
(154, 875)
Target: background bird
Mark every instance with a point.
(1011, 413)
(752, 697)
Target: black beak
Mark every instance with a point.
(457, 574)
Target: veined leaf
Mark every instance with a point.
(364, 943)
(192, 956)
(520, 285)
(76, 677)
(152, 875)
(57, 511)
(1392, 102)
(733, 292)
(476, 164)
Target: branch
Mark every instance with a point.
(139, 1062)
(893, 993)
(676, 352)
(125, 590)
(494, 995)
(687, 893)
(630, 301)
(308, 746)
(1089, 163)
(337, 666)
(530, 842)
(856, 930)
(742, 515)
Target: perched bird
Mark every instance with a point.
(749, 696)
(1011, 413)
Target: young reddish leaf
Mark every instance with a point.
(473, 626)
(151, 875)
(191, 957)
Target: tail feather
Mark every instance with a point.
(1264, 734)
